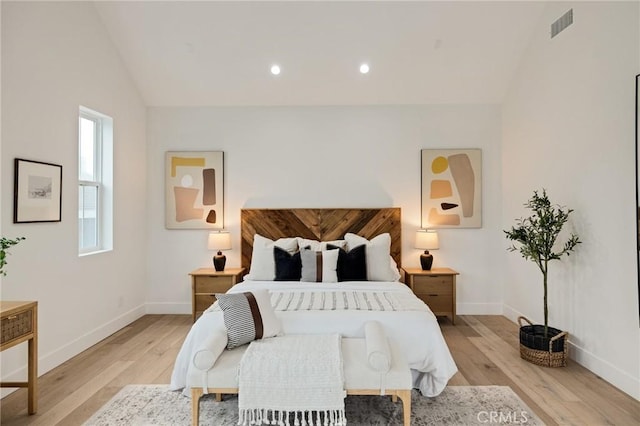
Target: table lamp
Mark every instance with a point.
(219, 240)
(426, 240)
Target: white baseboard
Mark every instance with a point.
(607, 371)
(511, 313)
(479, 309)
(58, 356)
(168, 308)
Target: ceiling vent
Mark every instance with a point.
(563, 22)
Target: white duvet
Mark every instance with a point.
(413, 328)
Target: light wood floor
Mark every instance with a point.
(485, 349)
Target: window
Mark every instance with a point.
(95, 166)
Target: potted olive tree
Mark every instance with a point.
(5, 244)
(535, 237)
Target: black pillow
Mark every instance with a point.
(288, 266)
(352, 264)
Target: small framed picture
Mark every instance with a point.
(37, 195)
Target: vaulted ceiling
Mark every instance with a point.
(198, 53)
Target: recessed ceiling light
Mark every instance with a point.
(364, 68)
(275, 69)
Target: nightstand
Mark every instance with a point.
(436, 288)
(206, 282)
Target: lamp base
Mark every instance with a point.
(426, 260)
(219, 260)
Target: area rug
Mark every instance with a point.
(147, 405)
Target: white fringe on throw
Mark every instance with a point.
(288, 418)
(292, 381)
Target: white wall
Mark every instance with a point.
(55, 57)
(569, 128)
(325, 157)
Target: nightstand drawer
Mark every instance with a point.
(434, 288)
(17, 325)
(203, 301)
(432, 280)
(438, 303)
(213, 284)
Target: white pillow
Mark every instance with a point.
(316, 245)
(378, 253)
(377, 346)
(319, 266)
(208, 352)
(394, 269)
(263, 265)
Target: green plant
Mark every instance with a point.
(5, 244)
(537, 235)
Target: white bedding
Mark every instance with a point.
(414, 328)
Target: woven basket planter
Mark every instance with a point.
(550, 351)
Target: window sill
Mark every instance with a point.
(91, 253)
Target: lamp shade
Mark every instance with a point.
(427, 239)
(220, 240)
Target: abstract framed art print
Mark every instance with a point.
(451, 188)
(194, 183)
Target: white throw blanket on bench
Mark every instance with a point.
(294, 380)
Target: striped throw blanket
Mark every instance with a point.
(342, 300)
(292, 380)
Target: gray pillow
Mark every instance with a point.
(248, 316)
(319, 266)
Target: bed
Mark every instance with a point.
(343, 307)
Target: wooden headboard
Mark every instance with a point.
(318, 224)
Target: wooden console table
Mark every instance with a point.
(19, 322)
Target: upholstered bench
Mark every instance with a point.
(366, 372)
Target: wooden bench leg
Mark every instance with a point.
(218, 397)
(405, 397)
(394, 398)
(196, 393)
